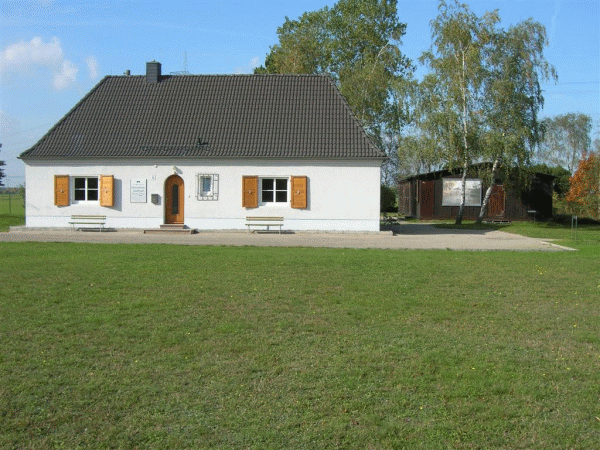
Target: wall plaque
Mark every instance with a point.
(138, 191)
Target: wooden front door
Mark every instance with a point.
(426, 199)
(174, 199)
(496, 202)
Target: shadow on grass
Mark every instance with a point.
(10, 220)
(273, 232)
(439, 228)
(567, 222)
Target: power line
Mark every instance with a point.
(572, 92)
(26, 143)
(571, 82)
(27, 130)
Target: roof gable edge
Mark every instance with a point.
(24, 155)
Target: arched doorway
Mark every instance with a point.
(174, 199)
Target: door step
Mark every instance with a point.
(170, 228)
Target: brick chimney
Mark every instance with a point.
(153, 74)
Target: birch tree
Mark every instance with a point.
(566, 140)
(515, 68)
(456, 84)
(481, 99)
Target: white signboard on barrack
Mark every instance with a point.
(452, 192)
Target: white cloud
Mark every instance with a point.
(249, 68)
(92, 64)
(25, 58)
(66, 76)
(8, 125)
(255, 62)
(23, 55)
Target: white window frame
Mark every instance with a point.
(275, 190)
(86, 190)
(213, 193)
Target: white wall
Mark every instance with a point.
(342, 195)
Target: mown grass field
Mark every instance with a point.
(173, 347)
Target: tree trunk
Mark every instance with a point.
(463, 194)
(465, 116)
(488, 193)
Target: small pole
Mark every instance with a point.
(9, 201)
(574, 228)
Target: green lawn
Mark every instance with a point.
(566, 233)
(12, 211)
(173, 347)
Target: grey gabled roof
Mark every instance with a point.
(209, 116)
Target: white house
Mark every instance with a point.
(206, 152)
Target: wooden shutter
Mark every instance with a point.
(106, 190)
(299, 189)
(250, 191)
(61, 190)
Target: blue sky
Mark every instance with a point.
(52, 52)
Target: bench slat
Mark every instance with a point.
(87, 219)
(279, 219)
(264, 222)
(79, 216)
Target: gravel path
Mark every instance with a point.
(405, 236)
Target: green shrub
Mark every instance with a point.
(388, 202)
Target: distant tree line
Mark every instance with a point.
(1, 170)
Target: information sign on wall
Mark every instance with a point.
(452, 192)
(138, 191)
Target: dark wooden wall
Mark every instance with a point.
(423, 199)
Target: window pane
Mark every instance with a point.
(267, 184)
(175, 199)
(267, 196)
(206, 184)
(86, 188)
(281, 196)
(281, 184)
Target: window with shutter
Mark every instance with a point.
(61, 190)
(250, 191)
(299, 192)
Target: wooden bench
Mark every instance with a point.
(264, 222)
(87, 219)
